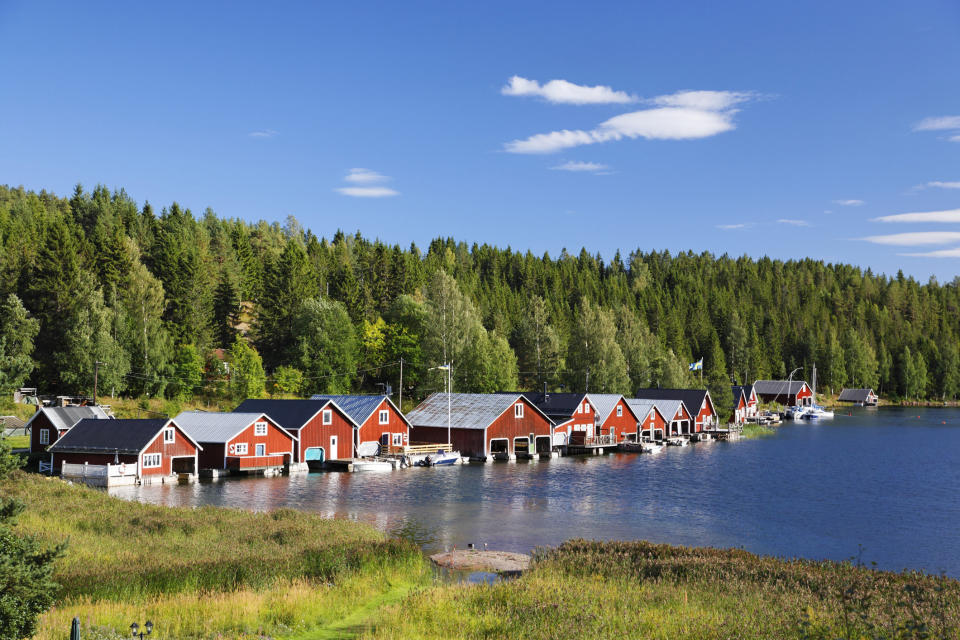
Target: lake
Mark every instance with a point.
(885, 479)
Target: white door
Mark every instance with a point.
(333, 447)
(261, 450)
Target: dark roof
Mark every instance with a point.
(556, 405)
(778, 387)
(692, 398)
(358, 407)
(745, 389)
(855, 395)
(289, 414)
(91, 435)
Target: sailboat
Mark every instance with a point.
(816, 411)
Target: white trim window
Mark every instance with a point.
(241, 449)
(619, 411)
(384, 416)
(169, 435)
(44, 436)
(328, 416)
(586, 407)
(398, 439)
(151, 460)
(518, 410)
(260, 428)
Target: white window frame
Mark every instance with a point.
(260, 428)
(619, 411)
(241, 448)
(152, 460)
(397, 440)
(518, 410)
(44, 436)
(259, 446)
(169, 435)
(586, 407)
(384, 416)
(327, 416)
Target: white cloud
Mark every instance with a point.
(368, 192)
(940, 253)
(937, 184)
(849, 203)
(686, 115)
(938, 124)
(573, 165)
(563, 92)
(264, 133)
(731, 227)
(704, 100)
(795, 223)
(916, 238)
(954, 138)
(365, 176)
(952, 215)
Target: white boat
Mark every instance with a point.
(651, 447)
(441, 458)
(817, 412)
(795, 413)
(678, 442)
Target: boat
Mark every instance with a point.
(795, 412)
(651, 447)
(816, 412)
(441, 458)
(677, 442)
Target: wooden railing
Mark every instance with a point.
(71, 470)
(421, 449)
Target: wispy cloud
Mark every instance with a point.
(937, 184)
(368, 192)
(849, 203)
(712, 116)
(585, 167)
(365, 176)
(940, 253)
(371, 181)
(941, 123)
(563, 92)
(732, 227)
(951, 215)
(916, 238)
(794, 223)
(263, 133)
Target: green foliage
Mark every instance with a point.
(247, 378)
(188, 369)
(287, 381)
(17, 333)
(326, 346)
(594, 354)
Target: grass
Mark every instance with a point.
(18, 442)
(751, 431)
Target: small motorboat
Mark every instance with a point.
(678, 442)
(816, 412)
(795, 413)
(651, 447)
(441, 458)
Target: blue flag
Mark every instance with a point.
(697, 366)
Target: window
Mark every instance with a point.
(518, 410)
(261, 450)
(586, 407)
(151, 460)
(44, 436)
(260, 429)
(169, 435)
(328, 416)
(384, 416)
(241, 448)
(398, 439)
(619, 411)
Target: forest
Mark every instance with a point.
(174, 304)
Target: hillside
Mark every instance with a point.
(153, 295)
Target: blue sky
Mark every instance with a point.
(781, 129)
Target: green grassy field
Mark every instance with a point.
(18, 442)
(751, 431)
(225, 573)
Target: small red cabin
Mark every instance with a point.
(323, 430)
(697, 401)
(380, 420)
(785, 392)
(652, 424)
(240, 442)
(614, 416)
(49, 423)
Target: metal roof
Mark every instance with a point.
(359, 407)
(211, 426)
(778, 387)
(63, 418)
(692, 398)
(668, 408)
(604, 403)
(467, 410)
(555, 405)
(99, 436)
(292, 415)
(642, 408)
(855, 395)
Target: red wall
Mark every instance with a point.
(655, 420)
(469, 442)
(506, 425)
(627, 423)
(317, 434)
(371, 430)
(804, 392)
(703, 414)
(41, 422)
(181, 446)
(583, 421)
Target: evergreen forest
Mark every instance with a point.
(176, 304)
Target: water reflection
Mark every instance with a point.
(885, 479)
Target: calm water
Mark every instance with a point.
(886, 479)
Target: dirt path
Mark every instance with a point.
(360, 619)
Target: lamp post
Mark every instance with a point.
(135, 630)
